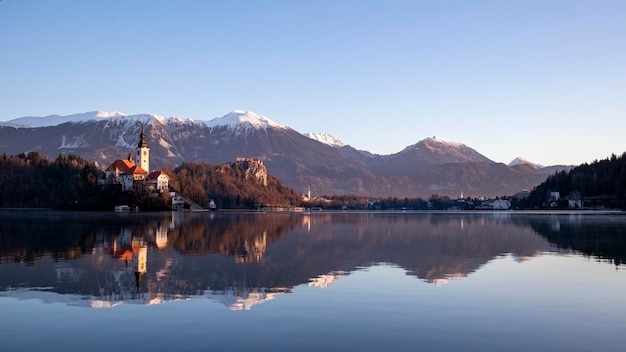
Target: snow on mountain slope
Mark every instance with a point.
(436, 145)
(440, 144)
(148, 119)
(325, 138)
(436, 139)
(114, 117)
(251, 120)
(450, 151)
(55, 120)
(519, 160)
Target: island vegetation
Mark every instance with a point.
(30, 180)
(231, 185)
(33, 180)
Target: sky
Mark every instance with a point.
(544, 80)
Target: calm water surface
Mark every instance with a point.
(311, 282)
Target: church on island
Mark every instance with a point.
(128, 173)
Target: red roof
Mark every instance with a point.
(137, 170)
(127, 167)
(121, 165)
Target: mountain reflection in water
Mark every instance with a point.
(102, 259)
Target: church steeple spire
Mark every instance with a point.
(142, 139)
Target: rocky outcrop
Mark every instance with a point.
(253, 169)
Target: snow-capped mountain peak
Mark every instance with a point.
(250, 119)
(107, 114)
(438, 145)
(325, 138)
(519, 161)
(440, 140)
(436, 150)
(55, 120)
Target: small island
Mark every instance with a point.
(31, 180)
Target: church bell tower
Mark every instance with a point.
(143, 152)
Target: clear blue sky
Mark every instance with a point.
(545, 80)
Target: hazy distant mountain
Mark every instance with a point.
(419, 157)
(520, 161)
(318, 162)
(472, 178)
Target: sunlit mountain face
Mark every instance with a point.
(240, 260)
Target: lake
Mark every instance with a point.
(322, 281)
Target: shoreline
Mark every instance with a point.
(333, 211)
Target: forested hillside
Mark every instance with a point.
(599, 184)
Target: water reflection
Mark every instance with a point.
(102, 260)
(599, 237)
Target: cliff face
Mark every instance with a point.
(253, 169)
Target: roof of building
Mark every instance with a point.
(126, 167)
(137, 170)
(121, 165)
(155, 174)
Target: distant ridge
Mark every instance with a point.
(55, 120)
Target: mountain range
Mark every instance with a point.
(314, 161)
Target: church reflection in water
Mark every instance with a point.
(242, 260)
(133, 250)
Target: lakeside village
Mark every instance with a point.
(132, 174)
